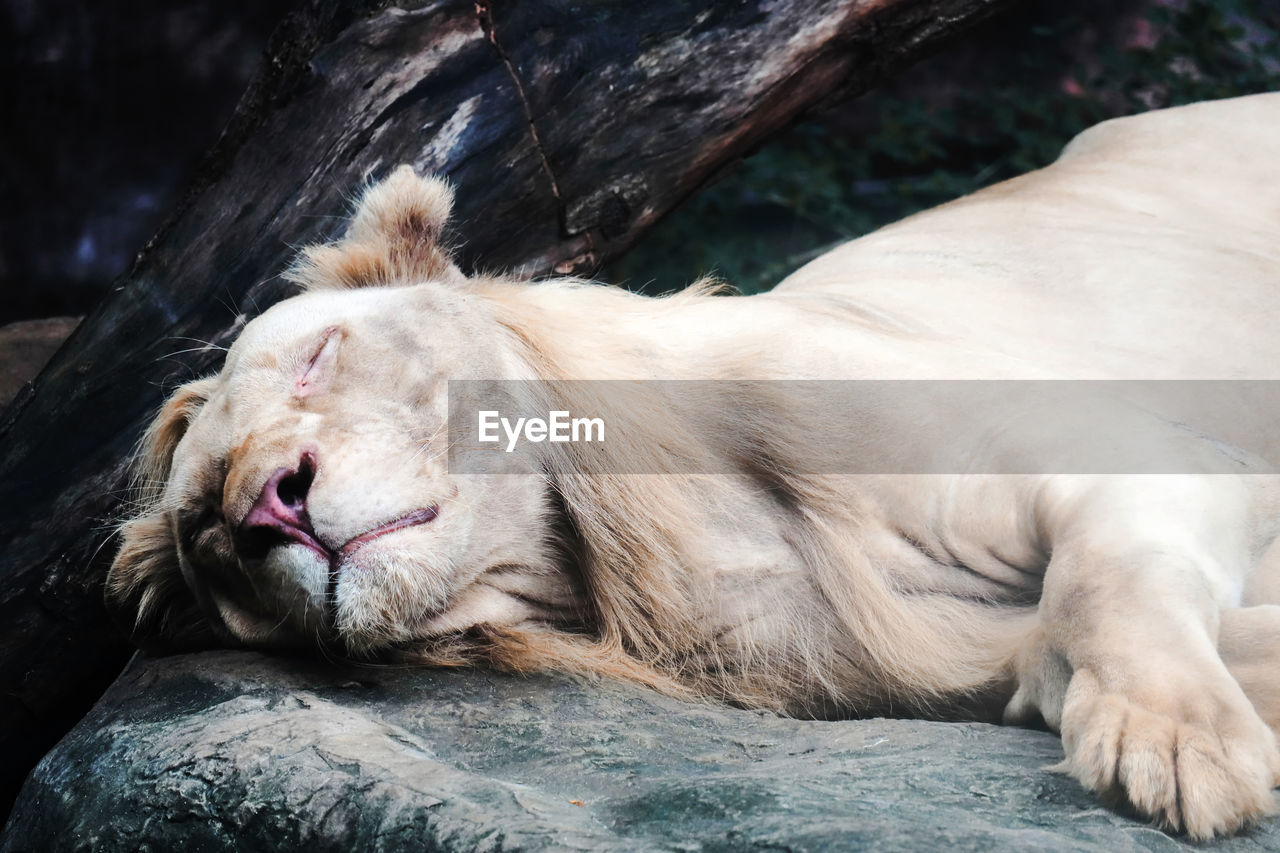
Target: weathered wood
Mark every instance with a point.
(568, 129)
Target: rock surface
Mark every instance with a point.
(25, 347)
(239, 751)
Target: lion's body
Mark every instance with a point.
(305, 493)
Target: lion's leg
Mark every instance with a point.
(1249, 643)
(1127, 666)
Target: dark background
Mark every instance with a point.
(109, 106)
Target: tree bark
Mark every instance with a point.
(568, 128)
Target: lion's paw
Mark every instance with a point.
(1202, 766)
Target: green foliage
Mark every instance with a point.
(816, 186)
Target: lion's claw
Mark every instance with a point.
(1209, 773)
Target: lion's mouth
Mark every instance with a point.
(412, 519)
(256, 544)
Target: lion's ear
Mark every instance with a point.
(155, 455)
(393, 238)
(146, 594)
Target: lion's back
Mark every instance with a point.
(1148, 242)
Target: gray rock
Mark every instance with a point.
(240, 751)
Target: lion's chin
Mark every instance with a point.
(287, 601)
(384, 593)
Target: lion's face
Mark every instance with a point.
(305, 493)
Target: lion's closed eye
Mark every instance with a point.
(316, 373)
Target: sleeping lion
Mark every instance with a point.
(918, 544)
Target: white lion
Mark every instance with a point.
(304, 495)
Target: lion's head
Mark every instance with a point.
(301, 494)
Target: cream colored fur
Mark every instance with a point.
(1138, 615)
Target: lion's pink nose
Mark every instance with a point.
(279, 515)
